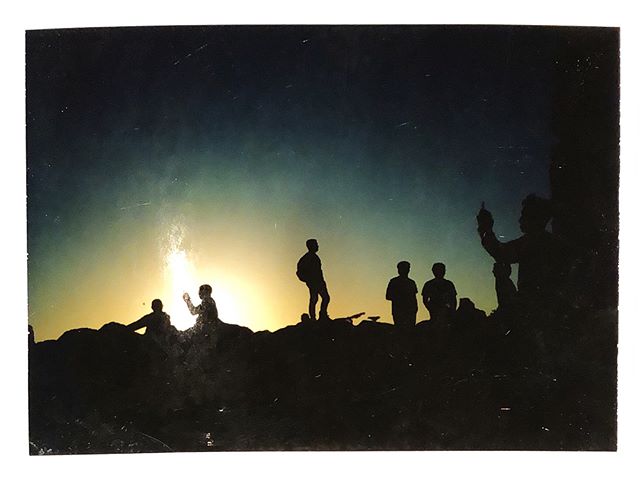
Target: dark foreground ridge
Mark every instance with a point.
(328, 385)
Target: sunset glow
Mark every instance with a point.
(160, 160)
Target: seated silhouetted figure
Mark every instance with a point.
(540, 254)
(207, 311)
(32, 336)
(402, 292)
(157, 322)
(467, 312)
(309, 270)
(506, 291)
(439, 295)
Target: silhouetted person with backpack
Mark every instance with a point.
(540, 255)
(439, 295)
(402, 292)
(158, 323)
(309, 271)
(207, 311)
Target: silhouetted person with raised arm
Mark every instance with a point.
(309, 270)
(158, 323)
(439, 295)
(540, 255)
(207, 311)
(402, 292)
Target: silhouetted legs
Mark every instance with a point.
(440, 314)
(404, 318)
(314, 291)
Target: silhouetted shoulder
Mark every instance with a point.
(450, 285)
(428, 285)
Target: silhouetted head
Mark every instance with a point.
(204, 291)
(312, 245)
(156, 305)
(536, 213)
(305, 318)
(438, 270)
(501, 270)
(466, 305)
(403, 268)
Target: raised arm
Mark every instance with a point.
(192, 309)
(502, 252)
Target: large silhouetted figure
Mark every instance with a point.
(540, 255)
(207, 311)
(402, 292)
(309, 270)
(158, 323)
(439, 295)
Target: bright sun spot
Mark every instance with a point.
(183, 277)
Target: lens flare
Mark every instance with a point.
(182, 276)
(181, 279)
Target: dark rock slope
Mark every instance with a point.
(327, 386)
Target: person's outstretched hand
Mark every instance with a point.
(186, 297)
(485, 220)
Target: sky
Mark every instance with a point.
(159, 159)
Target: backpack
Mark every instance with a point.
(301, 270)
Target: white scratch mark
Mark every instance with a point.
(140, 204)
(189, 54)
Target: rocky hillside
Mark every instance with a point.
(482, 384)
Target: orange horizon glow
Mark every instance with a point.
(256, 289)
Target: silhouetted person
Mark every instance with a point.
(402, 292)
(157, 322)
(207, 311)
(439, 295)
(467, 312)
(540, 255)
(506, 291)
(309, 270)
(32, 336)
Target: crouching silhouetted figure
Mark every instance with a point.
(309, 271)
(402, 292)
(467, 312)
(439, 295)
(157, 323)
(506, 291)
(207, 311)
